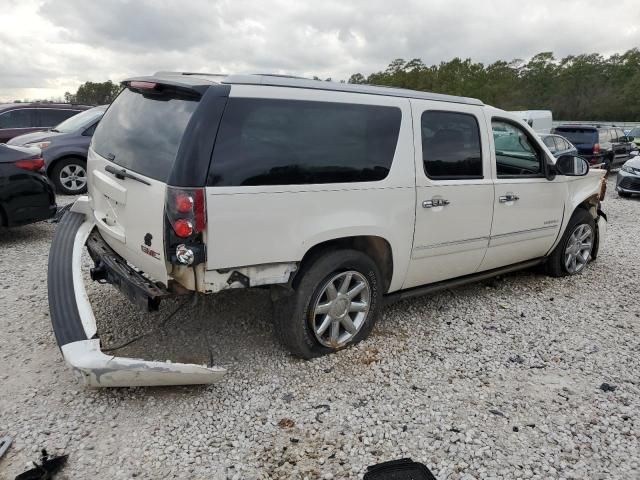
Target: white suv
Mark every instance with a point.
(338, 197)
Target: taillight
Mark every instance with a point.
(596, 149)
(183, 228)
(32, 164)
(186, 210)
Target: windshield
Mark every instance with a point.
(635, 132)
(81, 120)
(578, 135)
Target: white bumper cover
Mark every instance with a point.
(75, 326)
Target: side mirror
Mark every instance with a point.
(572, 166)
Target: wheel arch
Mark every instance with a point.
(376, 247)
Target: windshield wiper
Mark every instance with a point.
(55, 130)
(122, 174)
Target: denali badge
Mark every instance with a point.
(151, 252)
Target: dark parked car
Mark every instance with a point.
(26, 194)
(559, 145)
(598, 144)
(19, 118)
(628, 180)
(64, 149)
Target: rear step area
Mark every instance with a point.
(74, 323)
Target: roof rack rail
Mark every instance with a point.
(192, 73)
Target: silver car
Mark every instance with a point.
(558, 145)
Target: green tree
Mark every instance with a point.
(95, 93)
(577, 87)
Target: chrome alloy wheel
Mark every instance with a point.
(578, 250)
(73, 177)
(341, 309)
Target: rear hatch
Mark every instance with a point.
(131, 158)
(584, 139)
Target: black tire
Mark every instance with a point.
(624, 194)
(294, 314)
(70, 162)
(555, 265)
(609, 163)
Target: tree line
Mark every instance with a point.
(576, 87)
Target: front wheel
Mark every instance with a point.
(69, 176)
(335, 303)
(574, 251)
(624, 194)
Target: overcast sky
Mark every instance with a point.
(48, 47)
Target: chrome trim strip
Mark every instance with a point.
(488, 239)
(448, 244)
(521, 232)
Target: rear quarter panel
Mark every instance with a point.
(268, 224)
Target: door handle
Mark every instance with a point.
(435, 202)
(510, 197)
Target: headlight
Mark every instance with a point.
(40, 145)
(629, 169)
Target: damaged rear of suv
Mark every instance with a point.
(152, 135)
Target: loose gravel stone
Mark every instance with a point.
(489, 381)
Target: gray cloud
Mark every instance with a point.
(56, 44)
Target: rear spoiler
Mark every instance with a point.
(161, 85)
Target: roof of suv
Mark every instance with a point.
(298, 82)
(71, 106)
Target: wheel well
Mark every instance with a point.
(590, 205)
(58, 160)
(377, 248)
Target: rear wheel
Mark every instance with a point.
(335, 303)
(70, 176)
(574, 251)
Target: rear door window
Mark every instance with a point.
(50, 117)
(604, 136)
(451, 145)
(143, 133)
(21, 118)
(292, 142)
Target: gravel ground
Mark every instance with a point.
(494, 380)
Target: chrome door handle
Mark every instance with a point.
(435, 202)
(508, 198)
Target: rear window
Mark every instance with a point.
(578, 135)
(143, 133)
(291, 142)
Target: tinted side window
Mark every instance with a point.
(291, 142)
(17, 119)
(516, 154)
(619, 133)
(451, 145)
(50, 117)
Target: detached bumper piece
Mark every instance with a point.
(74, 324)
